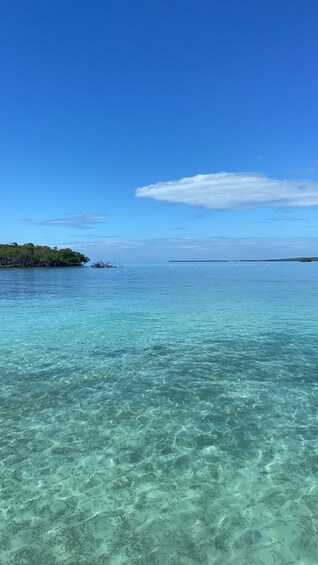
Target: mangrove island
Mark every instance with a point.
(30, 255)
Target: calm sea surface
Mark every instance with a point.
(159, 415)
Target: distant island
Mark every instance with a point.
(30, 255)
(299, 259)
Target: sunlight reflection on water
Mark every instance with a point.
(159, 416)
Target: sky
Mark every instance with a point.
(138, 131)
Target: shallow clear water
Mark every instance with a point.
(159, 415)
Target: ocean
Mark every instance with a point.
(159, 415)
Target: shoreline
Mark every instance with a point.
(289, 260)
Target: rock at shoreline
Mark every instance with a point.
(102, 265)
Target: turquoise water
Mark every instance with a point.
(159, 415)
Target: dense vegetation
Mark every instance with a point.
(30, 255)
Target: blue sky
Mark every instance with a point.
(140, 131)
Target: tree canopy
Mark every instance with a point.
(30, 255)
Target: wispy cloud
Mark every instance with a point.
(281, 220)
(164, 249)
(88, 236)
(107, 243)
(231, 191)
(76, 221)
(204, 243)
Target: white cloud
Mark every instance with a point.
(230, 191)
(162, 250)
(77, 221)
(205, 243)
